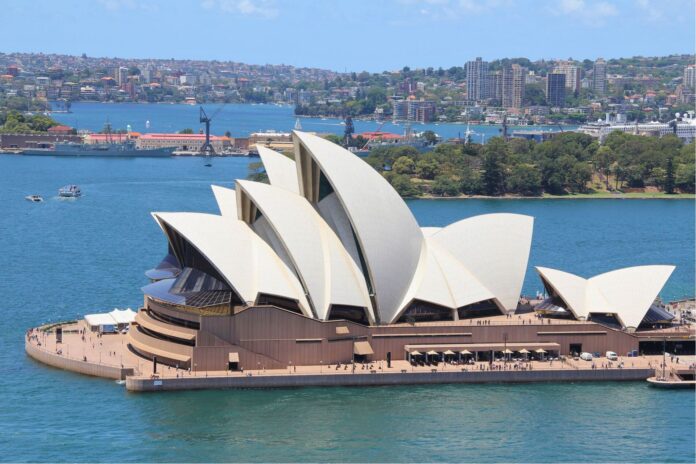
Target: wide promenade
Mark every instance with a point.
(108, 356)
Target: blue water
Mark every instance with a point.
(239, 119)
(61, 259)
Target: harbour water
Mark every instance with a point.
(242, 119)
(63, 258)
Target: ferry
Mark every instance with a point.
(34, 198)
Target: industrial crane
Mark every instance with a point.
(207, 148)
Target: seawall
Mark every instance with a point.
(140, 384)
(75, 365)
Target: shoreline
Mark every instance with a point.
(590, 196)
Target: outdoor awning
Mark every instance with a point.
(432, 353)
(449, 352)
(94, 320)
(233, 357)
(362, 348)
(342, 330)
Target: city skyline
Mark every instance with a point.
(355, 37)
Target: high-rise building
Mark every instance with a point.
(121, 75)
(477, 79)
(495, 85)
(555, 89)
(690, 76)
(599, 77)
(572, 75)
(513, 85)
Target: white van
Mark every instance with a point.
(611, 356)
(585, 356)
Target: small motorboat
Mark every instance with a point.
(70, 191)
(34, 198)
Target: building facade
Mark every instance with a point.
(477, 80)
(573, 76)
(556, 89)
(513, 86)
(599, 77)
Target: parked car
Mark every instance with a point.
(585, 356)
(611, 356)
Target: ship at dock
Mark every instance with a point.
(107, 144)
(120, 149)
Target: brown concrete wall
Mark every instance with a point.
(81, 367)
(282, 338)
(284, 381)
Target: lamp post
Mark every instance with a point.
(505, 338)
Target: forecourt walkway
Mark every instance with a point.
(108, 356)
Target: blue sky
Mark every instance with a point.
(355, 35)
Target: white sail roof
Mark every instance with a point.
(245, 261)
(386, 231)
(494, 247)
(443, 280)
(281, 170)
(628, 293)
(330, 275)
(226, 199)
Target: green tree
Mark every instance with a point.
(427, 168)
(403, 185)
(430, 137)
(188, 130)
(470, 181)
(524, 179)
(445, 186)
(669, 176)
(495, 154)
(404, 165)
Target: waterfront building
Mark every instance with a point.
(599, 77)
(421, 110)
(572, 74)
(684, 128)
(477, 80)
(183, 142)
(275, 140)
(556, 89)
(690, 77)
(399, 110)
(513, 85)
(326, 264)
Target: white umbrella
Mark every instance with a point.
(524, 351)
(465, 352)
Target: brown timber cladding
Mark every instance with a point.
(266, 336)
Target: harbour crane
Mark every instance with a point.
(207, 148)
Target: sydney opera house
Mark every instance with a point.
(327, 264)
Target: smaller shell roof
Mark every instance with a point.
(226, 199)
(280, 169)
(628, 293)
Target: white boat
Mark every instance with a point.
(70, 191)
(34, 198)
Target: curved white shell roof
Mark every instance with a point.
(281, 170)
(495, 248)
(227, 201)
(443, 280)
(628, 293)
(246, 262)
(385, 229)
(330, 275)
